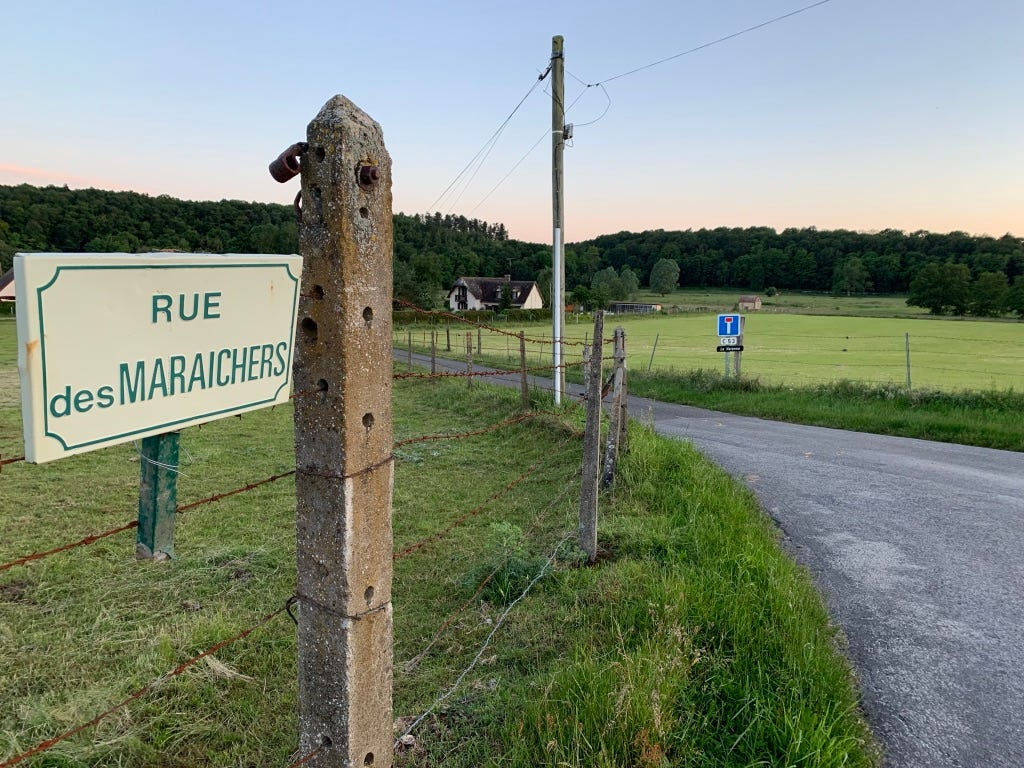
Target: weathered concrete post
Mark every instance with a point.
(343, 441)
(433, 352)
(469, 359)
(592, 445)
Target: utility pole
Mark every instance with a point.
(557, 207)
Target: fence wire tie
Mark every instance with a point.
(169, 467)
(298, 597)
(334, 476)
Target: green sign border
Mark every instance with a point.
(207, 416)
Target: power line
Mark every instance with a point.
(488, 145)
(711, 43)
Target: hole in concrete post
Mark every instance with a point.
(309, 330)
(368, 316)
(364, 212)
(321, 153)
(368, 421)
(317, 292)
(368, 760)
(322, 386)
(368, 595)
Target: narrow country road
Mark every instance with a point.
(918, 550)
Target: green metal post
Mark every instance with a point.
(158, 497)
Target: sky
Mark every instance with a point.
(854, 114)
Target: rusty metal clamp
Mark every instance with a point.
(287, 165)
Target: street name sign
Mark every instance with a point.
(117, 347)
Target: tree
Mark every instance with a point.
(1015, 298)
(630, 283)
(941, 287)
(545, 281)
(608, 280)
(988, 294)
(850, 276)
(664, 276)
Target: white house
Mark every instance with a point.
(486, 293)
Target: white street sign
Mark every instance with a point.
(116, 347)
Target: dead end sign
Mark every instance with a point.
(116, 347)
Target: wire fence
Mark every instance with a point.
(551, 465)
(667, 345)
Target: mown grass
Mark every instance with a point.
(695, 641)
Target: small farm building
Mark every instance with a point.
(750, 302)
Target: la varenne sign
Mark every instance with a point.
(116, 347)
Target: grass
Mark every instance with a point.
(989, 419)
(695, 641)
(793, 302)
(843, 372)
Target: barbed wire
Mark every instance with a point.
(410, 665)
(482, 431)
(93, 538)
(139, 693)
(487, 641)
(484, 373)
(475, 324)
(416, 546)
(5, 462)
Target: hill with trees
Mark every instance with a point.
(965, 273)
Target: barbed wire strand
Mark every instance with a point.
(93, 538)
(474, 433)
(467, 321)
(487, 641)
(410, 665)
(5, 462)
(416, 546)
(49, 743)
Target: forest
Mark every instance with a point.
(431, 250)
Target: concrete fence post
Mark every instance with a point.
(469, 359)
(343, 442)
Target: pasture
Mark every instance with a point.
(791, 349)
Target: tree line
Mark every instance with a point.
(432, 250)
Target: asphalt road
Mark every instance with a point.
(918, 550)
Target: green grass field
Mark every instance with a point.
(694, 642)
(795, 302)
(795, 349)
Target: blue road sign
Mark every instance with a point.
(730, 325)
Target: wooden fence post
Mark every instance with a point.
(479, 341)
(343, 443)
(469, 359)
(408, 342)
(447, 337)
(524, 382)
(617, 426)
(433, 352)
(592, 445)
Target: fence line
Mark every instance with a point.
(411, 548)
(92, 538)
(487, 641)
(5, 462)
(410, 665)
(49, 743)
